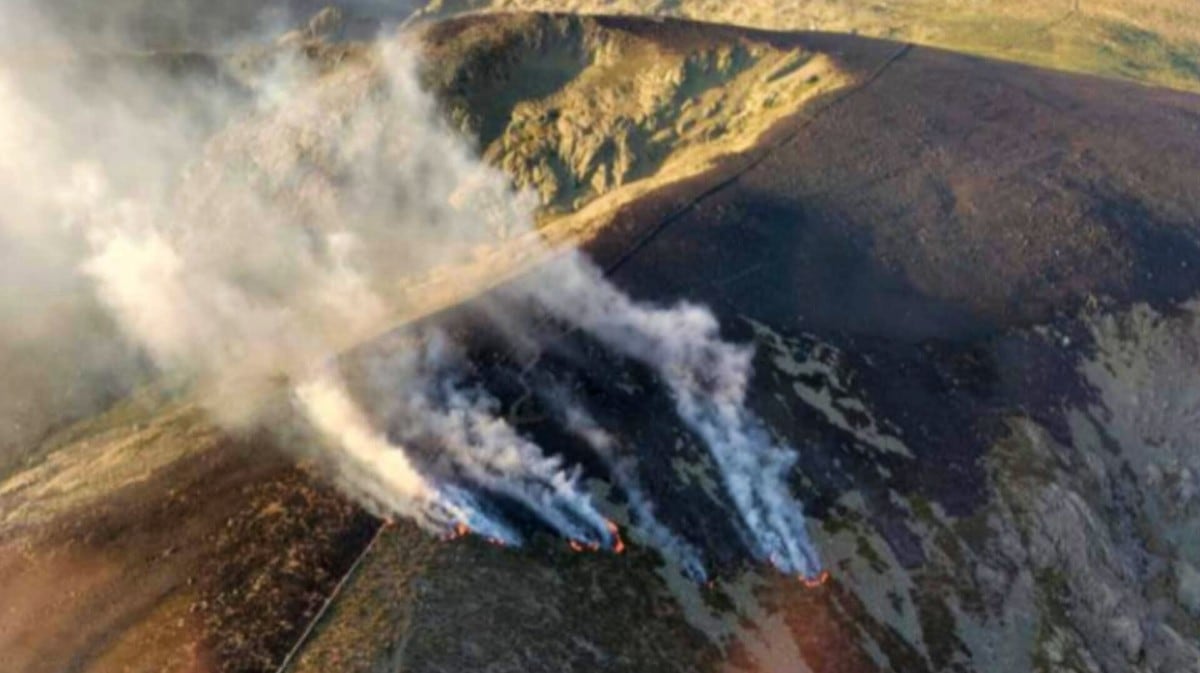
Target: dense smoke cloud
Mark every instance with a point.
(59, 349)
(291, 237)
(243, 237)
(708, 379)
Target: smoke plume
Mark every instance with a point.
(708, 379)
(418, 384)
(244, 235)
(578, 421)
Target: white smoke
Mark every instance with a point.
(386, 475)
(59, 349)
(290, 238)
(419, 385)
(380, 472)
(708, 378)
(290, 241)
(249, 259)
(578, 421)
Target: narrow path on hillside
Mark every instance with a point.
(307, 634)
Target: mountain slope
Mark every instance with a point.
(967, 286)
(574, 109)
(947, 268)
(1155, 41)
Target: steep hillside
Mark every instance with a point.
(574, 108)
(968, 285)
(1153, 41)
(965, 281)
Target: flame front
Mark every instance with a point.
(815, 582)
(461, 530)
(618, 543)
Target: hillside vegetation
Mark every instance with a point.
(1152, 41)
(573, 110)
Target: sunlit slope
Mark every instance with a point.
(1153, 41)
(574, 108)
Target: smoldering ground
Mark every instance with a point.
(240, 232)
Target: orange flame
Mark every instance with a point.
(815, 582)
(577, 546)
(461, 530)
(618, 543)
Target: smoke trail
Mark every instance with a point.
(708, 379)
(253, 255)
(390, 193)
(380, 471)
(393, 484)
(579, 422)
(418, 383)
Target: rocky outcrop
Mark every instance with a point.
(573, 108)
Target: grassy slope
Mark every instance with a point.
(576, 109)
(1152, 41)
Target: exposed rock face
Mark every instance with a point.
(1073, 563)
(573, 107)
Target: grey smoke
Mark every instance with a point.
(419, 385)
(578, 421)
(708, 378)
(243, 238)
(378, 470)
